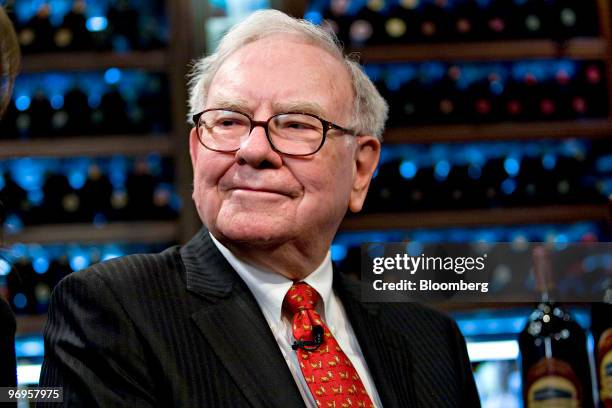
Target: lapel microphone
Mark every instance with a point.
(310, 345)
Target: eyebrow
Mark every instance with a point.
(312, 108)
(236, 104)
(242, 105)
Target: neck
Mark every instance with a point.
(292, 261)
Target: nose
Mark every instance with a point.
(256, 151)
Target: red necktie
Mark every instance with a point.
(331, 378)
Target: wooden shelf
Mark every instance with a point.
(577, 48)
(87, 146)
(472, 218)
(31, 324)
(588, 128)
(140, 232)
(156, 60)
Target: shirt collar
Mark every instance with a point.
(269, 288)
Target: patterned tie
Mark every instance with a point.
(331, 378)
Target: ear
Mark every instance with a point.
(366, 158)
(194, 145)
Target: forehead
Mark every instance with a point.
(282, 71)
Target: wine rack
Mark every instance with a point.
(381, 40)
(115, 52)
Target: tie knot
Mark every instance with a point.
(301, 296)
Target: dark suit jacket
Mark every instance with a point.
(180, 328)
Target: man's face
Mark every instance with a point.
(257, 196)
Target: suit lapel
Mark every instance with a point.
(236, 329)
(386, 351)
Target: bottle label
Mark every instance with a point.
(604, 353)
(552, 383)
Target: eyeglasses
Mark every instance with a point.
(293, 134)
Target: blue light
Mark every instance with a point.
(474, 171)
(2, 181)
(497, 87)
(338, 252)
(111, 255)
(549, 161)
(33, 347)
(13, 223)
(314, 17)
(99, 220)
(23, 103)
(41, 264)
(441, 170)
(79, 262)
(36, 196)
(508, 186)
(29, 173)
(57, 101)
(97, 23)
(604, 164)
(5, 267)
(112, 76)
(373, 176)
(512, 166)
(94, 99)
(408, 169)
(20, 301)
(77, 178)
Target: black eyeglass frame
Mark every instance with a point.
(327, 126)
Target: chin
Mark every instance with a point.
(254, 229)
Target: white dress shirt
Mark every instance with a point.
(269, 289)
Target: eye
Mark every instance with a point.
(227, 122)
(298, 126)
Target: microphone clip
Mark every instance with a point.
(310, 345)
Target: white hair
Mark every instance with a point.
(369, 108)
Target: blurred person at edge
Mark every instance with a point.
(286, 139)
(9, 63)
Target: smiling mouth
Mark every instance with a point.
(259, 190)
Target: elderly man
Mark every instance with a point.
(250, 313)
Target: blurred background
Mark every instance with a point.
(499, 131)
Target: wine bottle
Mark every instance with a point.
(554, 359)
(497, 16)
(575, 19)
(21, 282)
(402, 21)
(14, 198)
(436, 24)
(337, 20)
(95, 196)
(123, 20)
(140, 186)
(78, 111)
(590, 86)
(385, 189)
(40, 115)
(113, 109)
(37, 34)
(538, 19)
(467, 18)
(601, 326)
(446, 99)
(72, 33)
(406, 104)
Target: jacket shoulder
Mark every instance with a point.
(130, 271)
